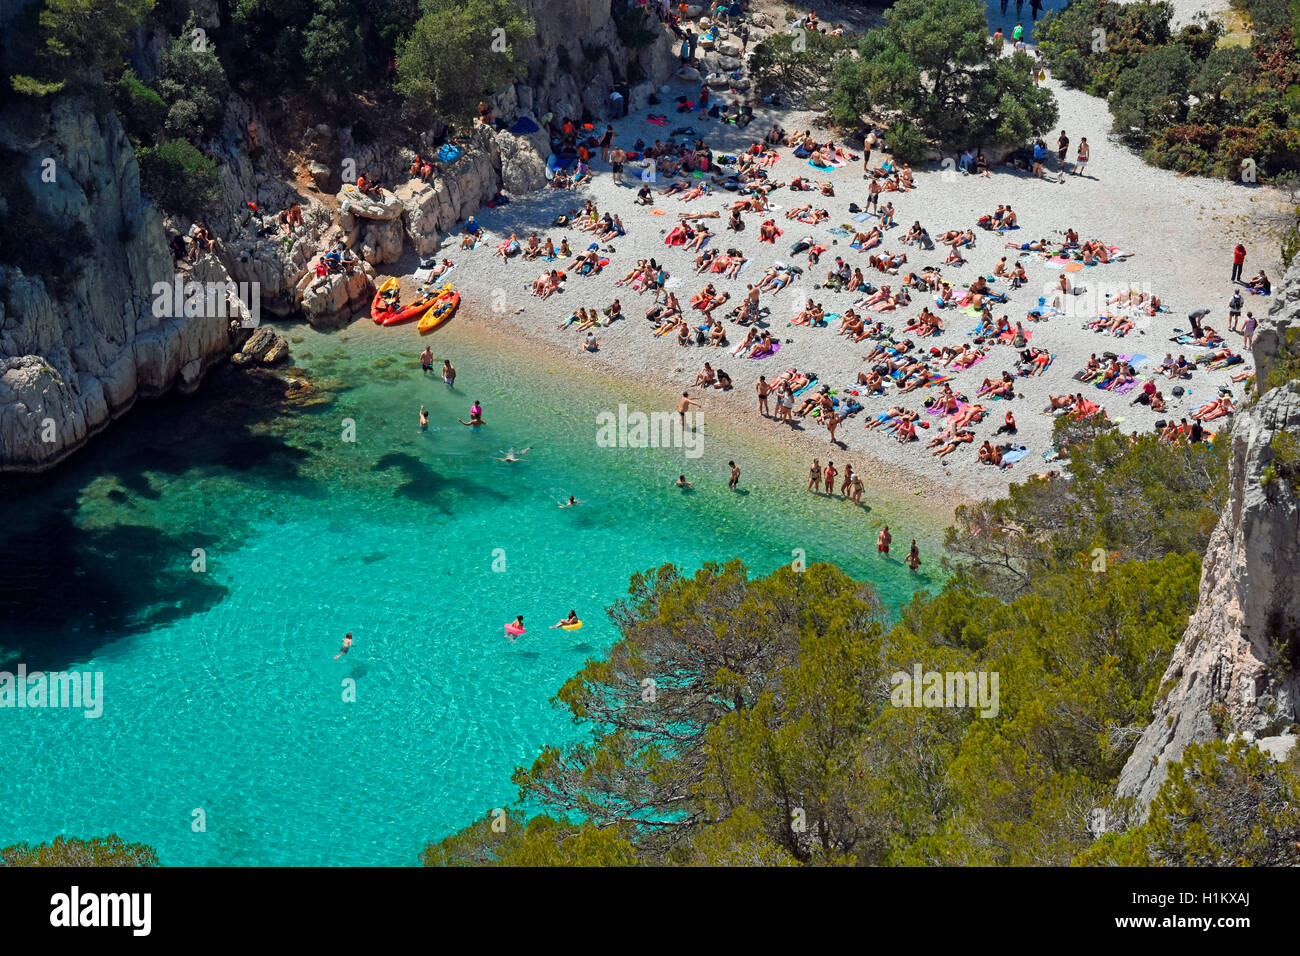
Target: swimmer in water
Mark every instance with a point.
(511, 456)
(883, 540)
(426, 359)
(424, 418)
(347, 646)
(683, 483)
(570, 503)
(519, 625)
(913, 559)
(568, 621)
(448, 373)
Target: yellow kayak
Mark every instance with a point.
(442, 310)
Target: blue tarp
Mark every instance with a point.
(448, 153)
(523, 126)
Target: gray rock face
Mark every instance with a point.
(523, 161)
(594, 59)
(75, 354)
(1230, 673)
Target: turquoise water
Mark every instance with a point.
(221, 691)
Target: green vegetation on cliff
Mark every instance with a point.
(755, 721)
(99, 851)
(1197, 101)
(933, 70)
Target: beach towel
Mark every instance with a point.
(862, 217)
(776, 347)
(824, 169)
(1126, 387)
(812, 383)
(523, 126)
(1014, 455)
(841, 232)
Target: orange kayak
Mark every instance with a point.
(379, 308)
(442, 310)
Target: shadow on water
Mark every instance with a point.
(80, 568)
(66, 592)
(426, 486)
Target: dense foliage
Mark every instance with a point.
(744, 721)
(800, 64)
(458, 52)
(100, 851)
(1197, 101)
(933, 64)
(1224, 804)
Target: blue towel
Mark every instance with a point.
(1013, 456)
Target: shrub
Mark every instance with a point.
(906, 142)
(178, 176)
(141, 108)
(193, 83)
(452, 58)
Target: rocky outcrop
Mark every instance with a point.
(1236, 670)
(577, 57)
(76, 353)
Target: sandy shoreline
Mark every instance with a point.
(1180, 230)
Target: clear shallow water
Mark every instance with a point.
(220, 689)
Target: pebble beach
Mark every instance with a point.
(1179, 233)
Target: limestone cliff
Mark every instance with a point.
(76, 353)
(1237, 668)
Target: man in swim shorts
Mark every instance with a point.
(763, 390)
(426, 359)
(883, 540)
(616, 160)
(347, 646)
(448, 373)
(735, 475)
(684, 405)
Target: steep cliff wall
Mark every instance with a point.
(1237, 668)
(76, 353)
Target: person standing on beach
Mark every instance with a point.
(616, 160)
(815, 476)
(1082, 159)
(1238, 261)
(763, 389)
(735, 475)
(704, 100)
(867, 146)
(606, 140)
(1248, 330)
(847, 483)
(1234, 310)
(684, 406)
(448, 373)
(913, 559)
(883, 540)
(873, 196)
(426, 359)
(1062, 148)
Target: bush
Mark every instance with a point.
(933, 63)
(332, 52)
(142, 110)
(906, 142)
(193, 83)
(178, 176)
(452, 59)
(100, 851)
